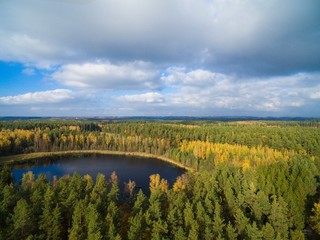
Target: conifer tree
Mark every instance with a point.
(93, 220)
(136, 226)
(55, 232)
(112, 221)
(49, 203)
(268, 232)
(218, 222)
(78, 231)
(23, 221)
(315, 217)
(279, 217)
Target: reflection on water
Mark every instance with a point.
(127, 168)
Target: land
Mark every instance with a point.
(247, 179)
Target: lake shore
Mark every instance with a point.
(30, 156)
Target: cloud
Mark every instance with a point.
(104, 75)
(200, 77)
(315, 95)
(201, 92)
(150, 97)
(28, 71)
(254, 38)
(53, 96)
(192, 57)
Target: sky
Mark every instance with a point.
(160, 58)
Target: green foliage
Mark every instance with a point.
(23, 220)
(315, 217)
(255, 180)
(94, 223)
(78, 231)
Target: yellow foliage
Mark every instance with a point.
(315, 218)
(239, 155)
(179, 185)
(157, 184)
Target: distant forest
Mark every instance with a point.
(249, 180)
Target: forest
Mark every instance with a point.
(247, 180)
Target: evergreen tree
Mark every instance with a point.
(49, 204)
(179, 234)
(140, 203)
(279, 217)
(315, 218)
(23, 221)
(136, 226)
(218, 223)
(253, 232)
(5, 177)
(93, 220)
(112, 221)
(27, 182)
(78, 231)
(113, 194)
(231, 232)
(268, 232)
(191, 226)
(159, 229)
(55, 232)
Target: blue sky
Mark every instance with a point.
(160, 58)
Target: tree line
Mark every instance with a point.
(251, 181)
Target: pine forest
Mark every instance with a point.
(244, 180)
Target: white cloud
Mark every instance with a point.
(150, 97)
(28, 71)
(211, 92)
(195, 77)
(104, 75)
(226, 56)
(315, 94)
(229, 35)
(27, 49)
(52, 96)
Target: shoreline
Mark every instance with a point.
(30, 156)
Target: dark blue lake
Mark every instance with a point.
(127, 168)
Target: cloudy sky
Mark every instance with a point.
(160, 58)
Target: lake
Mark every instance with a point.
(127, 168)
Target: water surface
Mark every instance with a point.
(127, 168)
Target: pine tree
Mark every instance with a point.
(136, 226)
(78, 231)
(49, 204)
(253, 232)
(5, 177)
(315, 218)
(218, 222)
(241, 221)
(23, 221)
(279, 217)
(231, 232)
(112, 221)
(140, 203)
(180, 234)
(268, 232)
(191, 226)
(93, 220)
(159, 229)
(55, 232)
(113, 194)
(27, 181)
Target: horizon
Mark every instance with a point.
(191, 118)
(193, 58)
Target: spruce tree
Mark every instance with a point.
(23, 221)
(78, 231)
(93, 220)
